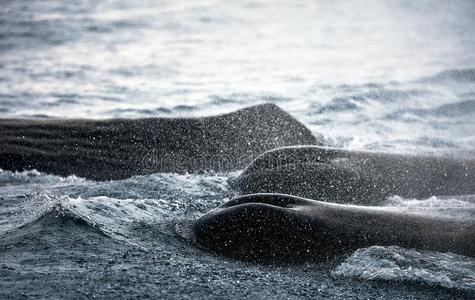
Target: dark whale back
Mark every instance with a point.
(276, 227)
(361, 177)
(120, 148)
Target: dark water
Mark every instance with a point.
(395, 76)
(68, 237)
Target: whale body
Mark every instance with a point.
(275, 227)
(359, 177)
(120, 148)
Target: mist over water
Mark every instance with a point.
(396, 76)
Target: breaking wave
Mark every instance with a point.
(397, 264)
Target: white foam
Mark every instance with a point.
(406, 265)
(461, 207)
(32, 177)
(467, 201)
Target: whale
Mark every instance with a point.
(355, 177)
(284, 228)
(120, 148)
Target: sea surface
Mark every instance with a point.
(396, 76)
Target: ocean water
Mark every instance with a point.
(397, 76)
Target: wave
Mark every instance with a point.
(359, 97)
(117, 208)
(451, 75)
(402, 265)
(467, 201)
(62, 216)
(33, 177)
(99, 213)
(460, 207)
(462, 108)
(337, 105)
(55, 219)
(449, 110)
(35, 27)
(47, 214)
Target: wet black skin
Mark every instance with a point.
(275, 227)
(358, 177)
(120, 148)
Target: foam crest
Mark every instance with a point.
(32, 177)
(433, 202)
(397, 264)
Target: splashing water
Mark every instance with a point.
(382, 75)
(406, 265)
